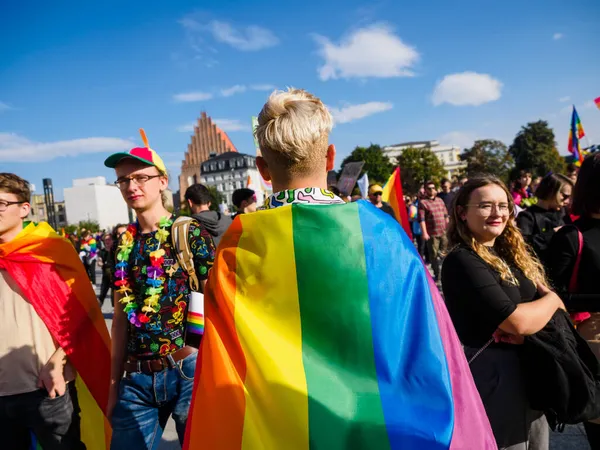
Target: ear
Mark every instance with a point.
(462, 214)
(25, 210)
(263, 168)
(189, 203)
(164, 183)
(330, 157)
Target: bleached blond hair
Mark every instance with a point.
(293, 132)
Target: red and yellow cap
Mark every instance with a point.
(144, 154)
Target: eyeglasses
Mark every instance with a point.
(486, 208)
(140, 180)
(4, 204)
(377, 193)
(430, 188)
(565, 197)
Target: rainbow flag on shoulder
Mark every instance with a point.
(325, 331)
(50, 275)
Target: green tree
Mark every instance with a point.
(488, 156)
(418, 165)
(90, 225)
(377, 164)
(216, 198)
(534, 148)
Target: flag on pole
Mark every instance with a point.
(597, 102)
(363, 185)
(575, 133)
(392, 193)
(297, 357)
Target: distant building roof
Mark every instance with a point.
(226, 156)
(413, 143)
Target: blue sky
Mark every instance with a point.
(77, 79)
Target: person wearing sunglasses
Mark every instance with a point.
(539, 222)
(244, 200)
(375, 196)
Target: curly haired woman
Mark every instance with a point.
(496, 291)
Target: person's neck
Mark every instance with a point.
(150, 218)
(196, 209)
(544, 204)
(300, 183)
(378, 204)
(432, 197)
(9, 235)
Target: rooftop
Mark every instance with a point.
(227, 155)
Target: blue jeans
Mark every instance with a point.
(145, 403)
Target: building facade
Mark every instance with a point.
(94, 199)
(230, 171)
(207, 139)
(449, 155)
(39, 211)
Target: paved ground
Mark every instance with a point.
(573, 437)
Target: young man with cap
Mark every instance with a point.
(375, 193)
(199, 199)
(244, 200)
(282, 364)
(149, 326)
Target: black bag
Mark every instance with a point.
(562, 374)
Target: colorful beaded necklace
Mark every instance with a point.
(154, 274)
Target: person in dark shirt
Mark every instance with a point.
(199, 200)
(539, 222)
(244, 200)
(584, 294)
(375, 193)
(106, 261)
(496, 293)
(447, 195)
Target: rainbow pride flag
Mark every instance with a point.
(325, 331)
(392, 193)
(575, 133)
(49, 273)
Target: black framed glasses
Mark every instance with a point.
(4, 204)
(140, 180)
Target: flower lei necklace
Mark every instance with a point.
(154, 274)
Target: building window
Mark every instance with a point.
(221, 165)
(190, 181)
(219, 187)
(218, 178)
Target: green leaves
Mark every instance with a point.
(418, 165)
(534, 148)
(488, 156)
(377, 164)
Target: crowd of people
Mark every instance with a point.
(507, 259)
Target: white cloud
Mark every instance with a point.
(263, 87)
(373, 51)
(467, 88)
(589, 104)
(557, 36)
(197, 96)
(237, 89)
(186, 128)
(354, 112)
(232, 125)
(15, 148)
(248, 39)
(462, 139)
(4, 107)
(564, 99)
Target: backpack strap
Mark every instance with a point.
(573, 282)
(181, 244)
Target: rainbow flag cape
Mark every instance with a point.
(575, 133)
(49, 273)
(325, 331)
(392, 193)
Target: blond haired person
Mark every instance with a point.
(494, 287)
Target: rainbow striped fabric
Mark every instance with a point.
(195, 322)
(49, 273)
(575, 133)
(325, 331)
(392, 193)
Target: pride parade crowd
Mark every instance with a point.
(312, 322)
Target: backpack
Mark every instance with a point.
(181, 244)
(562, 374)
